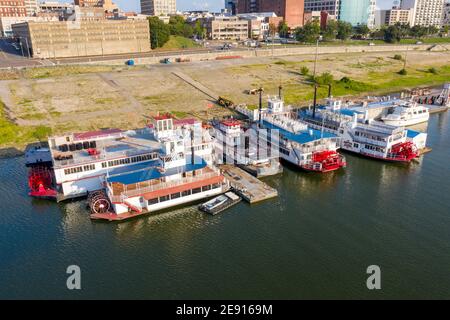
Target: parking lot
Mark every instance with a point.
(12, 57)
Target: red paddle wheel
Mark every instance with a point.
(40, 182)
(99, 203)
(403, 152)
(326, 161)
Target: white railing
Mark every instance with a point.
(164, 185)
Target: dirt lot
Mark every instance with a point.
(126, 98)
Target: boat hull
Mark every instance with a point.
(405, 123)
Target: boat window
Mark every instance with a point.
(164, 198)
(153, 201)
(206, 188)
(186, 193)
(216, 185)
(175, 195)
(196, 190)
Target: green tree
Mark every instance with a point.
(283, 29)
(159, 32)
(418, 32)
(188, 31)
(330, 31)
(392, 34)
(344, 30)
(272, 30)
(325, 79)
(199, 30)
(176, 25)
(308, 33)
(304, 71)
(362, 30)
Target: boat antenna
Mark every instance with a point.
(260, 90)
(315, 101)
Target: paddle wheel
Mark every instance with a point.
(403, 152)
(40, 182)
(326, 161)
(99, 202)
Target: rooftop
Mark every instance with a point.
(145, 172)
(302, 137)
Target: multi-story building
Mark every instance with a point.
(330, 6)
(322, 17)
(259, 24)
(83, 38)
(12, 8)
(158, 7)
(358, 12)
(446, 18)
(53, 6)
(226, 28)
(32, 7)
(352, 11)
(231, 6)
(107, 5)
(78, 13)
(395, 15)
(291, 10)
(426, 12)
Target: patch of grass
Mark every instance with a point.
(179, 114)
(12, 134)
(59, 71)
(33, 116)
(55, 114)
(178, 42)
(104, 100)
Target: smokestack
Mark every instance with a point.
(192, 147)
(260, 104)
(315, 101)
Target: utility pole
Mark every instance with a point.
(315, 60)
(406, 57)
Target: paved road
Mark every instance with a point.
(10, 57)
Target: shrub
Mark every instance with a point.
(398, 57)
(433, 70)
(304, 71)
(403, 72)
(325, 78)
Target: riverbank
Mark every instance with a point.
(65, 99)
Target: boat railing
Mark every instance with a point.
(382, 144)
(103, 156)
(139, 190)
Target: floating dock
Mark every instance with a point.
(247, 186)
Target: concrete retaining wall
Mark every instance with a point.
(278, 52)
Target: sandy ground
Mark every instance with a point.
(127, 99)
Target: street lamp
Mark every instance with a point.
(317, 53)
